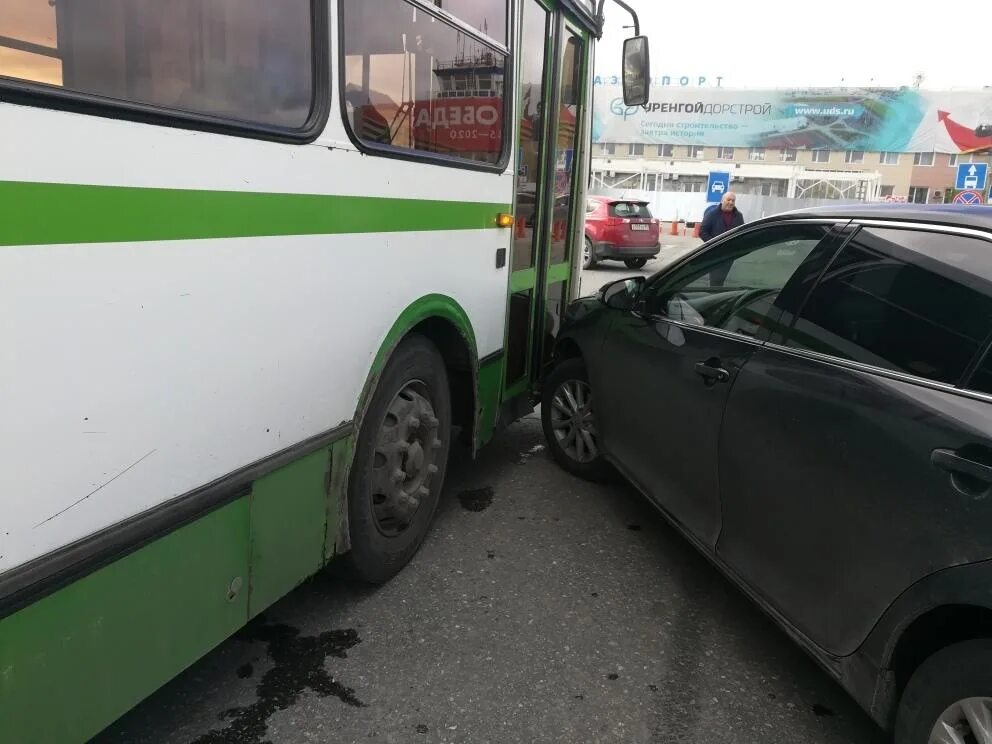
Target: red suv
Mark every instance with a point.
(620, 230)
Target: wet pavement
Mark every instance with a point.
(540, 609)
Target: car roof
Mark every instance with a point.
(957, 215)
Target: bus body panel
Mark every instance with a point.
(232, 348)
(178, 306)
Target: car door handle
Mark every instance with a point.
(711, 373)
(955, 464)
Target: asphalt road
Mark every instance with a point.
(540, 609)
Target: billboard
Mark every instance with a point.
(877, 119)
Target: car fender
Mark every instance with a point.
(867, 672)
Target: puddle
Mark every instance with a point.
(478, 499)
(298, 666)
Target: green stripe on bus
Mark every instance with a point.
(53, 213)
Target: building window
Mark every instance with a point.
(725, 153)
(821, 156)
(886, 190)
(248, 61)
(787, 155)
(756, 153)
(922, 158)
(666, 151)
(854, 156)
(610, 149)
(918, 194)
(888, 158)
(952, 160)
(695, 151)
(637, 149)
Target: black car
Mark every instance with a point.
(808, 399)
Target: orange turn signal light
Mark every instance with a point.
(504, 220)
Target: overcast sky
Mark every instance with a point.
(758, 43)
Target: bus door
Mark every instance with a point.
(552, 74)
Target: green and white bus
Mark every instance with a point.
(258, 264)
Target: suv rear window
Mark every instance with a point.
(629, 209)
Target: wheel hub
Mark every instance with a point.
(404, 462)
(574, 422)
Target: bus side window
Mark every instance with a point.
(413, 81)
(245, 60)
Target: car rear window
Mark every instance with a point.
(888, 301)
(629, 209)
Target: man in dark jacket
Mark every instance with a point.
(717, 221)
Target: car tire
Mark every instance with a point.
(565, 424)
(588, 259)
(401, 456)
(954, 675)
(635, 263)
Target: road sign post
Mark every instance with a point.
(717, 185)
(971, 176)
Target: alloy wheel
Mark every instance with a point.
(573, 421)
(967, 721)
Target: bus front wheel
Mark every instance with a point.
(400, 460)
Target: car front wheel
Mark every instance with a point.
(635, 263)
(948, 700)
(568, 416)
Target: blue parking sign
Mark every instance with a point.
(971, 176)
(717, 186)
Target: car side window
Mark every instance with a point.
(736, 285)
(907, 300)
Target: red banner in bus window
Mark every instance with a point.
(459, 125)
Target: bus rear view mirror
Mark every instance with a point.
(636, 71)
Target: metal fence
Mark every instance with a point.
(688, 207)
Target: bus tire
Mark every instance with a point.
(400, 460)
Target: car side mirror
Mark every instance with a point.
(636, 71)
(621, 294)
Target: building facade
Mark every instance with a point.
(921, 177)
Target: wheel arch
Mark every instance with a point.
(932, 631)
(946, 607)
(566, 347)
(443, 321)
